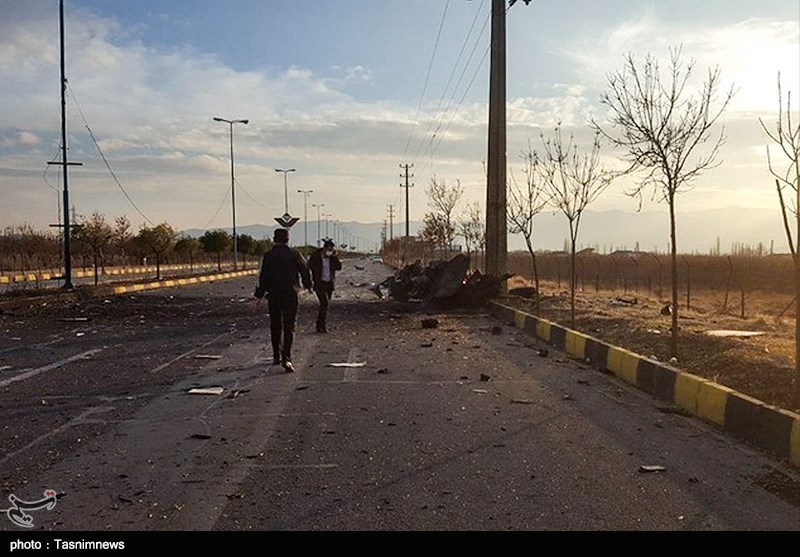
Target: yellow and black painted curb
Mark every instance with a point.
(768, 427)
(172, 283)
(47, 276)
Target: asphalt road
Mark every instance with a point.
(94, 404)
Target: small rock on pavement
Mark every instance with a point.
(485, 378)
(430, 323)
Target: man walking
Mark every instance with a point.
(281, 270)
(324, 263)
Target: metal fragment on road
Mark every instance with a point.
(213, 391)
(651, 468)
(521, 401)
(480, 391)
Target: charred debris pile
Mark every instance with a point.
(444, 283)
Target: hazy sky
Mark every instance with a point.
(334, 88)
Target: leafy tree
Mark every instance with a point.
(246, 246)
(158, 241)
(216, 241)
(187, 248)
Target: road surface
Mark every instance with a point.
(94, 404)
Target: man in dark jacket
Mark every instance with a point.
(281, 269)
(323, 264)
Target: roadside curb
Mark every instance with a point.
(172, 283)
(768, 427)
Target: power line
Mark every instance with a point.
(452, 74)
(221, 205)
(427, 80)
(103, 156)
(247, 193)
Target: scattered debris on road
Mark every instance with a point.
(543, 352)
(200, 436)
(521, 401)
(74, 320)
(212, 391)
(207, 357)
(485, 378)
(480, 391)
(651, 468)
(621, 301)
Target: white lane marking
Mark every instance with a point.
(187, 354)
(351, 374)
(56, 365)
(81, 419)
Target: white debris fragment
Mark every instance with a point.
(213, 391)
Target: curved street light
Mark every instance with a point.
(286, 186)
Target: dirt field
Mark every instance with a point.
(762, 367)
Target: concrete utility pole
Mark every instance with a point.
(305, 193)
(496, 228)
(391, 222)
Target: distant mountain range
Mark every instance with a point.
(698, 231)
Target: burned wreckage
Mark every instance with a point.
(442, 283)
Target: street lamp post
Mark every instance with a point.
(319, 219)
(306, 193)
(286, 186)
(233, 190)
(327, 224)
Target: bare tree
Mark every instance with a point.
(442, 200)
(525, 202)
(436, 231)
(472, 228)
(94, 235)
(786, 135)
(575, 180)
(661, 123)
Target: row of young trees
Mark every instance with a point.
(442, 226)
(661, 126)
(107, 243)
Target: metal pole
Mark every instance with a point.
(306, 193)
(233, 205)
(64, 164)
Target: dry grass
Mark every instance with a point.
(762, 367)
